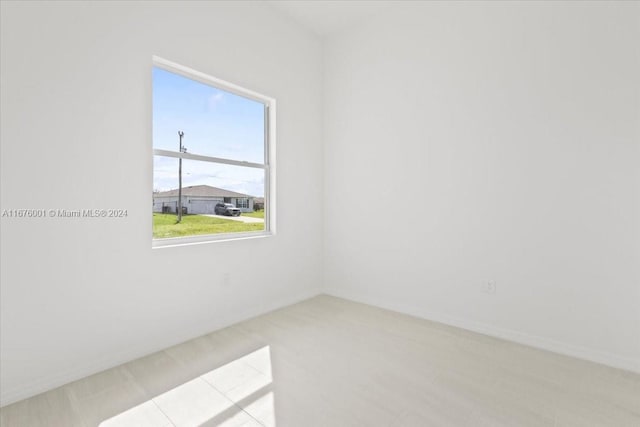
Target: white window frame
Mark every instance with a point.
(242, 203)
(268, 166)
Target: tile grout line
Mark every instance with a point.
(135, 382)
(75, 405)
(231, 400)
(163, 413)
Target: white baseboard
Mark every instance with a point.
(60, 378)
(591, 355)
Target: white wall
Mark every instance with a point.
(505, 139)
(79, 296)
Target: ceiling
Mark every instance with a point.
(330, 16)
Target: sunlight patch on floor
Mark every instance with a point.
(235, 394)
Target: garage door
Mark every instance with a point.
(203, 206)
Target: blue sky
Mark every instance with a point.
(215, 123)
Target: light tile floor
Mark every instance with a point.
(331, 362)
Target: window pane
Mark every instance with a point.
(249, 181)
(216, 198)
(215, 122)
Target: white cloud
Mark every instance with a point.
(215, 99)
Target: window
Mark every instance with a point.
(213, 156)
(242, 203)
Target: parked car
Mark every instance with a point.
(226, 209)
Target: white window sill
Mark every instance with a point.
(207, 238)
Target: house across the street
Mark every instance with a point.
(258, 203)
(200, 199)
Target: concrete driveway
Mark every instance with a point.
(245, 219)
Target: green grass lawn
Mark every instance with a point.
(164, 226)
(256, 214)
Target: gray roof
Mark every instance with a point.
(200, 191)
